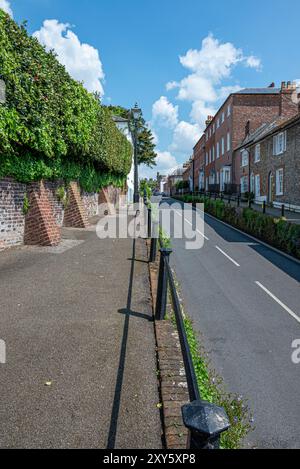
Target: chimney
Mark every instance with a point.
(209, 120)
(272, 85)
(288, 100)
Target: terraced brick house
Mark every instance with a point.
(271, 158)
(248, 108)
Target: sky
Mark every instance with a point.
(179, 59)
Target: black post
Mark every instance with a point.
(206, 422)
(162, 287)
(149, 221)
(282, 210)
(249, 202)
(155, 234)
(229, 199)
(238, 201)
(264, 207)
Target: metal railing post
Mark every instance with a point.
(264, 207)
(149, 221)
(153, 248)
(162, 287)
(282, 210)
(206, 422)
(238, 201)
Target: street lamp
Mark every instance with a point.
(136, 114)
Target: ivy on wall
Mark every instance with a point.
(50, 125)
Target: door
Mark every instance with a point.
(270, 189)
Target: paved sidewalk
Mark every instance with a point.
(79, 320)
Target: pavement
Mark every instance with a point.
(80, 346)
(244, 299)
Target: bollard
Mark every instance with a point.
(282, 210)
(264, 207)
(249, 203)
(229, 199)
(238, 201)
(149, 221)
(205, 422)
(162, 286)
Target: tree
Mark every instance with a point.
(146, 147)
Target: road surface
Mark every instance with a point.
(245, 300)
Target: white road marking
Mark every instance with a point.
(228, 257)
(202, 234)
(291, 313)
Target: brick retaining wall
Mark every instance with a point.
(12, 220)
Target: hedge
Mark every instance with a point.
(277, 232)
(51, 123)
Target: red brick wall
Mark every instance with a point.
(40, 225)
(75, 214)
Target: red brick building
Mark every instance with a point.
(271, 163)
(242, 113)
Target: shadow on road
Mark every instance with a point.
(230, 235)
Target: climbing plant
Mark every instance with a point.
(50, 125)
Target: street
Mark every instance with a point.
(244, 299)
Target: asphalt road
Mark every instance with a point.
(244, 298)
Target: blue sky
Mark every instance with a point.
(223, 45)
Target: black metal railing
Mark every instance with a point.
(205, 421)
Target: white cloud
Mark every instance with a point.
(81, 60)
(166, 162)
(185, 137)
(200, 111)
(164, 113)
(171, 85)
(5, 5)
(253, 62)
(209, 66)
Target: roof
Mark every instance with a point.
(177, 171)
(265, 130)
(119, 119)
(259, 91)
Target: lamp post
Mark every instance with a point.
(136, 114)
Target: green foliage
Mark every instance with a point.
(182, 185)
(50, 123)
(277, 232)
(62, 195)
(146, 147)
(26, 205)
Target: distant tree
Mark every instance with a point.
(146, 147)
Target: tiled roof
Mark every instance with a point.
(259, 91)
(267, 129)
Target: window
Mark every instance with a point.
(245, 158)
(206, 159)
(218, 122)
(210, 155)
(214, 128)
(222, 146)
(279, 181)
(228, 141)
(257, 153)
(279, 143)
(223, 117)
(218, 177)
(206, 136)
(257, 186)
(229, 110)
(213, 153)
(244, 184)
(218, 150)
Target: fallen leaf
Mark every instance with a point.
(48, 383)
